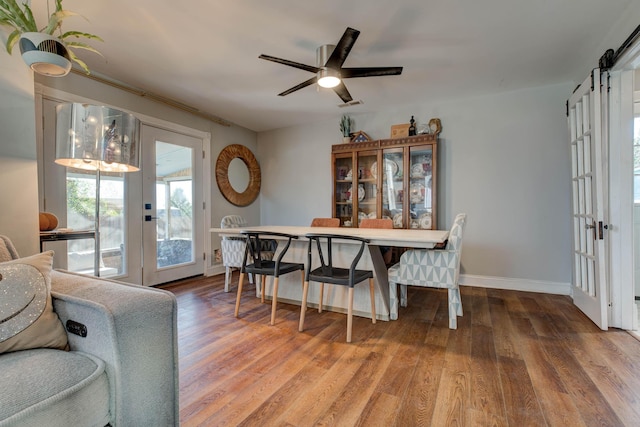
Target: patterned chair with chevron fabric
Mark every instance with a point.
(233, 248)
(435, 268)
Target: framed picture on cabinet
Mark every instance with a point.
(400, 131)
(360, 136)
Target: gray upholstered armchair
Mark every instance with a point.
(121, 365)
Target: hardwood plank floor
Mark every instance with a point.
(516, 359)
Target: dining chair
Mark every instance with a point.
(435, 268)
(254, 263)
(380, 223)
(328, 273)
(325, 222)
(232, 248)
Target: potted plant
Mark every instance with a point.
(345, 128)
(41, 50)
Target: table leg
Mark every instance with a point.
(380, 271)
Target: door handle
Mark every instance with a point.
(149, 217)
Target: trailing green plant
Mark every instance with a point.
(22, 21)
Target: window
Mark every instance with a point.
(81, 212)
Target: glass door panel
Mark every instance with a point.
(392, 187)
(366, 190)
(173, 206)
(343, 202)
(421, 187)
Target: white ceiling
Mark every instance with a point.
(205, 53)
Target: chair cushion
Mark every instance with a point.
(53, 388)
(338, 276)
(429, 268)
(232, 252)
(267, 268)
(27, 319)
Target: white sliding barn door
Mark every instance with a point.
(585, 127)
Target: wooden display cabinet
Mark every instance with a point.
(403, 189)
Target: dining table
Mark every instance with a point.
(335, 299)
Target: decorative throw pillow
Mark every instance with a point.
(7, 251)
(27, 319)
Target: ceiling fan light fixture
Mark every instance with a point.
(328, 78)
(329, 70)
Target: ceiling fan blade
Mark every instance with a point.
(343, 93)
(290, 63)
(342, 49)
(304, 84)
(346, 73)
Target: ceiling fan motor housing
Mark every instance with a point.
(323, 53)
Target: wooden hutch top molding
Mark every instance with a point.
(384, 143)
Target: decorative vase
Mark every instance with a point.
(45, 54)
(346, 139)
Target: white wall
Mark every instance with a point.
(503, 159)
(18, 166)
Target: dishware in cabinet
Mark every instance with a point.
(342, 189)
(366, 204)
(393, 186)
(422, 187)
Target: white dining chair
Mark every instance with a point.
(232, 247)
(435, 268)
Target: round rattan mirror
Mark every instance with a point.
(229, 153)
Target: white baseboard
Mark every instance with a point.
(213, 270)
(506, 283)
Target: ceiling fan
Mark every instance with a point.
(329, 71)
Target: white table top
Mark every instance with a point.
(376, 236)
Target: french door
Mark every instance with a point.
(169, 246)
(173, 208)
(585, 127)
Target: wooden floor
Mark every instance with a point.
(516, 359)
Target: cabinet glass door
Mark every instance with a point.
(343, 203)
(421, 187)
(366, 191)
(392, 187)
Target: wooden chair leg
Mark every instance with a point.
(321, 297)
(263, 281)
(239, 293)
(350, 315)
(373, 301)
(303, 307)
(274, 301)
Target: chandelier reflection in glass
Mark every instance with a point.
(97, 138)
(100, 139)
